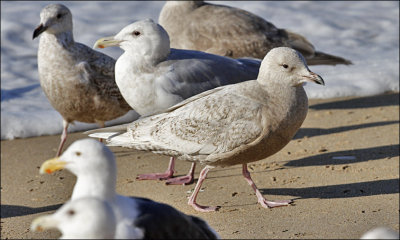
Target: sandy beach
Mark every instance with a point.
(341, 169)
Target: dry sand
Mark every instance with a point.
(333, 198)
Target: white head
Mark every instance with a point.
(54, 19)
(94, 165)
(82, 218)
(380, 233)
(286, 65)
(144, 37)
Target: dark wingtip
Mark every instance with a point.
(321, 58)
(348, 62)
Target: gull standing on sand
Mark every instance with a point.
(232, 32)
(83, 218)
(153, 77)
(78, 81)
(95, 168)
(229, 125)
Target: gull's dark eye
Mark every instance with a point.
(59, 16)
(285, 66)
(71, 212)
(78, 153)
(136, 33)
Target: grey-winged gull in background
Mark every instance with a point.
(232, 32)
(95, 168)
(153, 77)
(83, 218)
(78, 81)
(229, 125)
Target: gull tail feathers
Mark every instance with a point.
(313, 57)
(121, 140)
(115, 129)
(326, 59)
(104, 135)
(300, 43)
(116, 139)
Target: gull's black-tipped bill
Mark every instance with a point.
(38, 31)
(319, 80)
(315, 78)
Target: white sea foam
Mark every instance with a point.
(366, 32)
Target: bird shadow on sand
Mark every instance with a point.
(313, 132)
(371, 188)
(383, 100)
(347, 156)
(8, 211)
(324, 159)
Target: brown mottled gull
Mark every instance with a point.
(136, 218)
(234, 124)
(78, 81)
(232, 32)
(153, 77)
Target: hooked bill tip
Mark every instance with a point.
(38, 30)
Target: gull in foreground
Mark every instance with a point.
(95, 168)
(78, 81)
(153, 77)
(380, 233)
(232, 32)
(229, 125)
(83, 218)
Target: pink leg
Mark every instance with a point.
(192, 199)
(63, 137)
(159, 176)
(264, 202)
(184, 180)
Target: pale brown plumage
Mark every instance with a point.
(78, 81)
(232, 32)
(229, 125)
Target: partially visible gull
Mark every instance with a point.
(153, 77)
(380, 233)
(83, 218)
(78, 81)
(232, 32)
(95, 168)
(229, 125)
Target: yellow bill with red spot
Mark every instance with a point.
(106, 42)
(52, 165)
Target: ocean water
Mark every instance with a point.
(365, 32)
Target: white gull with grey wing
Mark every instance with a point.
(152, 77)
